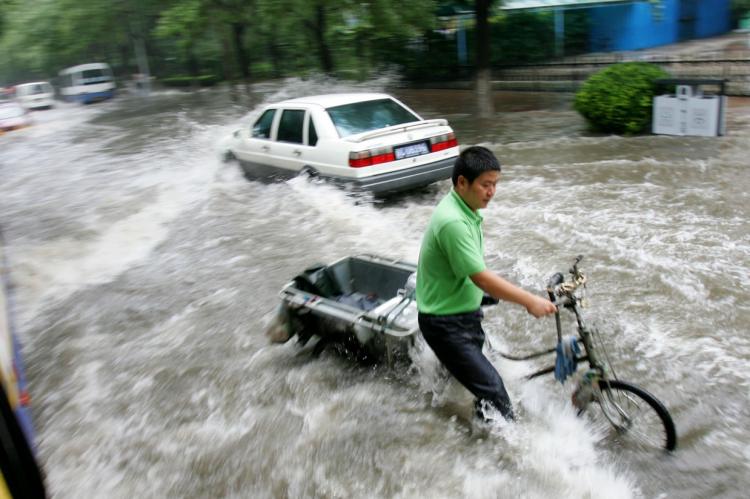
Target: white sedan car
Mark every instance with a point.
(369, 141)
(13, 116)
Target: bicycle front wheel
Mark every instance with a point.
(638, 418)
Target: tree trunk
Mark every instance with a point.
(193, 66)
(484, 69)
(326, 61)
(125, 58)
(275, 53)
(226, 57)
(238, 30)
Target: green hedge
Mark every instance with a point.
(618, 99)
(187, 81)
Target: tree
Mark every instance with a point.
(484, 68)
(310, 20)
(343, 34)
(229, 37)
(185, 22)
(4, 6)
(739, 9)
(44, 36)
(383, 29)
(189, 23)
(237, 14)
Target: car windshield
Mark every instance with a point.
(351, 119)
(10, 112)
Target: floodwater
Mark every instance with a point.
(145, 270)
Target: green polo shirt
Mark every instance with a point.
(452, 250)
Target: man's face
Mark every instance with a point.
(478, 194)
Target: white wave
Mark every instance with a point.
(554, 448)
(117, 230)
(385, 233)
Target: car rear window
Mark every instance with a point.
(351, 119)
(290, 126)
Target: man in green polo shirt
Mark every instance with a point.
(452, 280)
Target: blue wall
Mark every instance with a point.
(639, 25)
(713, 18)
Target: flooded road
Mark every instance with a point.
(145, 270)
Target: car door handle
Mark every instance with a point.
(265, 148)
(297, 152)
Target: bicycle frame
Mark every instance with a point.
(615, 398)
(562, 293)
(584, 336)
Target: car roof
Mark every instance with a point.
(32, 83)
(84, 67)
(331, 100)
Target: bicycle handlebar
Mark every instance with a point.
(574, 268)
(561, 292)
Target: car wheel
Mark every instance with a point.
(228, 156)
(309, 172)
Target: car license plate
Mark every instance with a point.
(411, 150)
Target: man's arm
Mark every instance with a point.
(501, 289)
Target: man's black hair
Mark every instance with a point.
(472, 162)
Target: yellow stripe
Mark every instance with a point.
(4, 492)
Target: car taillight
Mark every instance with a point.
(371, 157)
(445, 141)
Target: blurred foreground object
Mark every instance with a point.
(21, 476)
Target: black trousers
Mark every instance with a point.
(457, 341)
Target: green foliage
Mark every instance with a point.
(4, 5)
(183, 20)
(516, 38)
(739, 9)
(433, 57)
(523, 37)
(41, 37)
(577, 27)
(259, 38)
(618, 99)
(742, 6)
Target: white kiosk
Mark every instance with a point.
(689, 111)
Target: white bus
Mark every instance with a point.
(87, 83)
